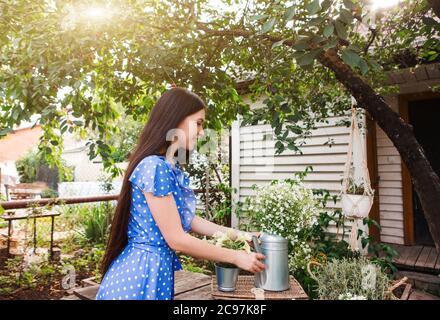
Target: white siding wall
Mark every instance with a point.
(390, 185)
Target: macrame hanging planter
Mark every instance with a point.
(356, 193)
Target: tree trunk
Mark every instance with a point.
(426, 182)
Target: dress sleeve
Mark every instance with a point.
(153, 175)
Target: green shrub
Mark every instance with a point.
(88, 261)
(95, 224)
(190, 264)
(49, 193)
(219, 200)
(29, 164)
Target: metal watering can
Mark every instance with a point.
(276, 275)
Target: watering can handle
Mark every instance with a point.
(261, 275)
(256, 244)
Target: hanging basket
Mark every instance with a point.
(356, 205)
(356, 194)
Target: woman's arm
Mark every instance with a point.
(165, 214)
(207, 228)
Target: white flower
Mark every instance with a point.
(244, 236)
(288, 210)
(221, 238)
(349, 296)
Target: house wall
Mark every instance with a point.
(16, 145)
(390, 184)
(75, 154)
(254, 160)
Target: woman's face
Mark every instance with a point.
(191, 128)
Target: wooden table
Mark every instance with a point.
(11, 216)
(187, 286)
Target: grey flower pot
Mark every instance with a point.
(226, 278)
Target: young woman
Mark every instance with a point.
(156, 209)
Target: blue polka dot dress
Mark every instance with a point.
(145, 268)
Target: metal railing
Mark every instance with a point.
(28, 203)
(33, 203)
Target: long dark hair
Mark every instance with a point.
(172, 107)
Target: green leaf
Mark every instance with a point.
(376, 66)
(292, 146)
(349, 4)
(301, 44)
(331, 44)
(279, 146)
(363, 66)
(340, 30)
(285, 107)
(345, 16)
(432, 56)
(290, 12)
(318, 39)
(326, 4)
(429, 21)
(259, 17)
(328, 30)
(350, 57)
(278, 43)
(313, 7)
(316, 21)
(305, 59)
(5, 131)
(295, 129)
(354, 48)
(15, 114)
(308, 58)
(77, 84)
(268, 25)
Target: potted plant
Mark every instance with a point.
(226, 273)
(350, 279)
(355, 201)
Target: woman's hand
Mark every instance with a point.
(250, 261)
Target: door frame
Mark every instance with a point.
(408, 210)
